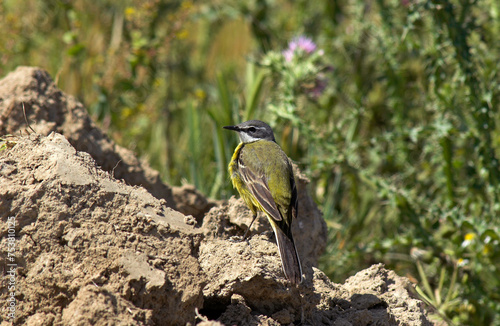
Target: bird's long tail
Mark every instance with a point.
(289, 256)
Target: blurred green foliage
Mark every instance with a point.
(393, 116)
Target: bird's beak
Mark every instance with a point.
(235, 128)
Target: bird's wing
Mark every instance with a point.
(294, 200)
(258, 187)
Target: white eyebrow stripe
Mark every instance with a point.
(246, 128)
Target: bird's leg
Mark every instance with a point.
(248, 229)
(240, 239)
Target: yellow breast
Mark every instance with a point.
(265, 159)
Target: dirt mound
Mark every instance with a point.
(48, 109)
(92, 250)
(84, 237)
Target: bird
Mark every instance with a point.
(263, 175)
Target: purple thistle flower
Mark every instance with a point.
(305, 44)
(299, 43)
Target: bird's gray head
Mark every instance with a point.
(253, 130)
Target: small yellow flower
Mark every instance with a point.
(127, 112)
(200, 94)
(129, 12)
(469, 236)
(182, 34)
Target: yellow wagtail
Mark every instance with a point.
(263, 175)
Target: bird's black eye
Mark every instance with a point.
(251, 129)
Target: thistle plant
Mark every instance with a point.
(298, 70)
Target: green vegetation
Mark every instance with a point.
(393, 115)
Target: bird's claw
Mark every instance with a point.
(236, 238)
